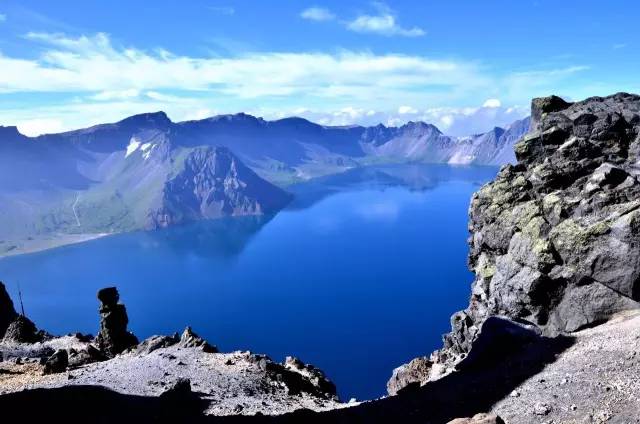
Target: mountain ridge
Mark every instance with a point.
(124, 176)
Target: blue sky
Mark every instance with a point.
(464, 65)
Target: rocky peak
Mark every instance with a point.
(420, 127)
(555, 238)
(213, 183)
(543, 105)
(148, 120)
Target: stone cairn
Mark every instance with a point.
(113, 337)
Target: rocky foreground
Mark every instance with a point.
(186, 366)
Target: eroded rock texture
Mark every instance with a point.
(113, 337)
(7, 312)
(555, 239)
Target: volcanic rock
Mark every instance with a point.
(479, 419)
(22, 330)
(411, 373)
(191, 339)
(57, 362)
(113, 337)
(555, 238)
(7, 312)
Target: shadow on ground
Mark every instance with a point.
(481, 382)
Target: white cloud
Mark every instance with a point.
(102, 82)
(446, 121)
(34, 127)
(406, 110)
(199, 115)
(3, 17)
(94, 65)
(116, 95)
(318, 14)
(384, 23)
(492, 103)
(450, 120)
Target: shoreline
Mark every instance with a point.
(35, 245)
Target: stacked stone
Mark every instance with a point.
(113, 337)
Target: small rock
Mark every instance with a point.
(541, 408)
(479, 419)
(514, 393)
(57, 362)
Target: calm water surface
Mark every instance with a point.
(358, 275)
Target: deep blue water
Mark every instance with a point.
(357, 276)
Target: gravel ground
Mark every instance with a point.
(233, 383)
(596, 380)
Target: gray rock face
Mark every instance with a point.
(191, 339)
(113, 337)
(409, 374)
(555, 239)
(214, 183)
(7, 312)
(57, 362)
(320, 385)
(22, 330)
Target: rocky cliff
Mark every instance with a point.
(555, 238)
(212, 183)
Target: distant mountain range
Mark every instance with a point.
(148, 172)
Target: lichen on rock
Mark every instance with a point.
(555, 238)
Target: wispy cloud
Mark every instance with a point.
(94, 64)
(3, 17)
(89, 79)
(492, 103)
(223, 10)
(383, 23)
(619, 46)
(318, 14)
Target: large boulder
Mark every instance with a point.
(319, 383)
(113, 338)
(412, 374)
(7, 312)
(22, 330)
(555, 239)
(57, 362)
